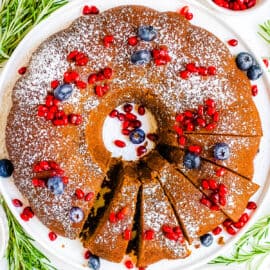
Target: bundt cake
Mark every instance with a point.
(208, 134)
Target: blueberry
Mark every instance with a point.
(244, 60)
(63, 91)
(141, 57)
(147, 33)
(94, 262)
(206, 239)
(6, 168)
(137, 136)
(192, 161)
(56, 185)
(221, 151)
(254, 72)
(76, 214)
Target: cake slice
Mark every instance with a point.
(242, 150)
(196, 219)
(160, 234)
(111, 237)
(235, 189)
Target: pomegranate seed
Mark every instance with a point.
(120, 215)
(124, 210)
(87, 254)
(190, 127)
(112, 217)
(54, 84)
(212, 184)
(254, 90)
(141, 110)
(17, 203)
(149, 235)
(188, 114)
(133, 41)
(210, 126)
(251, 206)
(220, 172)
(72, 55)
(71, 76)
(92, 78)
(41, 183)
(87, 10)
(177, 230)
(127, 234)
(121, 117)
(52, 236)
(141, 150)
(167, 229)
(212, 70)
(230, 230)
(217, 230)
(126, 132)
(129, 264)
(184, 10)
(205, 184)
(233, 42)
(184, 74)
(81, 84)
(131, 116)
(65, 180)
(239, 224)
(214, 197)
(182, 141)
(200, 110)
(203, 71)
(28, 211)
(195, 149)
(266, 62)
(99, 91)
(24, 216)
(189, 16)
(214, 207)
(75, 119)
(107, 40)
(79, 193)
(210, 103)
(35, 182)
(222, 201)
(216, 117)
(171, 236)
(22, 70)
(136, 124)
(113, 113)
(205, 202)
(191, 67)
(119, 143)
(94, 10)
(244, 218)
(178, 130)
(128, 108)
(89, 196)
(222, 190)
(82, 61)
(180, 117)
(227, 222)
(201, 122)
(107, 72)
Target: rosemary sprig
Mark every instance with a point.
(252, 248)
(265, 31)
(21, 254)
(18, 17)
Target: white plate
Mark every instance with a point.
(71, 251)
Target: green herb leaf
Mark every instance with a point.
(265, 31)
(252, 248)
(18, 17)
(21, 254)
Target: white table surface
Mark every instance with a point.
(247, 27)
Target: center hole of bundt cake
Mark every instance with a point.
(129, 131)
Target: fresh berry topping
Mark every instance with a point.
(184, 74)
(233, 42)
(206, 239)
(94, 262)
(133, 41)
(120, 143)
(220, 172)
(27, 213)
(137, 136)
(212, 70)
(107, 72)
(141, 150)
(254, 90)
(128, 108)
(22, 70)
(17, 203)
(87, 254)
(244, 61)
(63, 92)
(254, 72)
(244, 218)
(251, 206)
(127, 234)
(221, 151)
(196, 149)
(6, 168)
(141, 57)
(81, 84)
(189, 16)
(71, 76)
(192, 161)
(113, 114)
(149, 234)
(75, 119)
(87, 10)
(76, 214)
(52, 236)
(227, 222)
(108, 40)
(112, 217)
(89, 196)
(129, 264)
(184, 10)
(79, 193)
(92, 78)
(230, 230)
(56, 185)
(54, 84)
(147, 33)
(217, 230)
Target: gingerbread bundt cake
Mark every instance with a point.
(208, 132)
